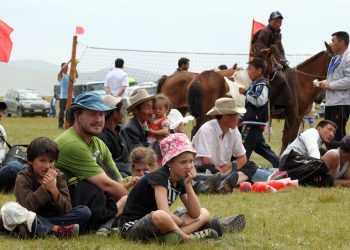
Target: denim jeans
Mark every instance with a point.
(263, 174)
(8, 174)
(43, 225)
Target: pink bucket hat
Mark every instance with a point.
(173, 145)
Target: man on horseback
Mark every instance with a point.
(183, 65)
(269, 41)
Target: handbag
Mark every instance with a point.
(15, 152)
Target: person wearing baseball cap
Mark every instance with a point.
(92, 176)
(269, 41)
(338, 161)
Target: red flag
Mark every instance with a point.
(79, 30)
(255, 28)
(5, 42)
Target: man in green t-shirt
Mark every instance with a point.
(92, 175)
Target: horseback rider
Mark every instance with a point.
(264, 41)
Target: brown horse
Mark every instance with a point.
(208, 86)
(203, 91)
(175, 86)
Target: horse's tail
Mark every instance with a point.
(195, 98)
(161, 81)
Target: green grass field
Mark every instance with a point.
(304, 218)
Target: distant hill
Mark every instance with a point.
(34, 74)
(42, 76)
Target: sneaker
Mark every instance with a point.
(208, 233)
(215, 224)
(102, 232)
(229, 183)
(23, 231)
(209, 185)
(171, 238)
(277, 175)
(234, 223)
(67, 231)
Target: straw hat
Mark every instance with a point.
(111, 101)
(226, 106)
(139, 96)
(174, 145)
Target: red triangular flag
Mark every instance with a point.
(79, 30)
(255, 28)
(5, 42)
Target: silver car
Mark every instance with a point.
(26, 102)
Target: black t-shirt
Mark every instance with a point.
(141, 200)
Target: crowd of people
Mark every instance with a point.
(103, 176)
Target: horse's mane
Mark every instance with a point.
(310, 59)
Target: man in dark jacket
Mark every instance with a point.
(114, 136)
(141, 104)
(263, 40)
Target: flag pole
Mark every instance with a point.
(251, 39)
(71, 76)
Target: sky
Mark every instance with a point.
(43, 29)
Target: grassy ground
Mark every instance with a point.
(304, 218)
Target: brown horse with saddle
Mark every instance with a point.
(208, 86)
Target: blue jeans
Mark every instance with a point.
(43, 225)
(8, 174)
(263, 174)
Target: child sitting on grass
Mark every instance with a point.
(42, 189)
(143, 161)
(147, 215)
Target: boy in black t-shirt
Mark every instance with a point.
(147, 214)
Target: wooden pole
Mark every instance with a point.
(71, 76)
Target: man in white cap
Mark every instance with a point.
(114, 136)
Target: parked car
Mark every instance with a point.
(26, 102)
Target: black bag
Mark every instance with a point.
(15, 152)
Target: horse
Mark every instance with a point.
(175, 86)
(207, 87)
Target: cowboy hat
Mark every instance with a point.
(226, 106)
(137, 97)
(86, 100)
(111, 101)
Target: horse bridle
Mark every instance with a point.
(311, 75)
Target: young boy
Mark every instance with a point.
(256, 117)
(42, 189)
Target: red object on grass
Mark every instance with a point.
(245, 187)
(5, 42)
(79, 30)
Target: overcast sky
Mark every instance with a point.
(43, 29)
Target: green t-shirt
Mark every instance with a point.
(78, 159)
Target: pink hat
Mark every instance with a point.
(173, 145)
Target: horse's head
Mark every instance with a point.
(329, 49)
(271, 56)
